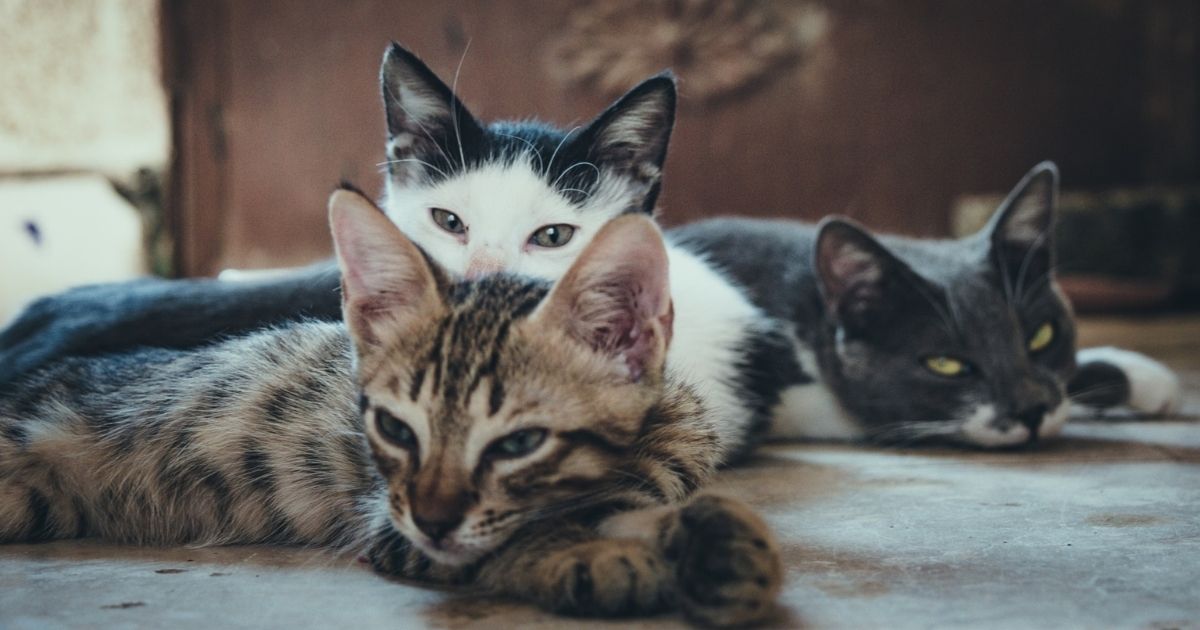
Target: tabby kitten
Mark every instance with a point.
(522, 439)
(517, 196)
(899, 339)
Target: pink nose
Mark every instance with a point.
(483, 264)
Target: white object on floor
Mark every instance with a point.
(59, 232)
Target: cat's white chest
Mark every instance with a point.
(711, 318)
(811, 411)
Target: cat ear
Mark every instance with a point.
(387, 282)
(630, 138)
(859, 278)
(616, 297)
(425, 120)
(1022, 229)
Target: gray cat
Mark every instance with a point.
(968, 340)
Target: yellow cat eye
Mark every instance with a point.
(1042, 338)
(945, 366)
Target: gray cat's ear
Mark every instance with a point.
(859, 278)
(616, 298)
(630, 138)
(425, 120)
(1022, 230)
(387, 282)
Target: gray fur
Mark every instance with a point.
(901, 300)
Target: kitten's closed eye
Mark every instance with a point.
(516, 444)
(448, 221)
(555, 235)
(395, 430)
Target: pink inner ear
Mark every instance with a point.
(615, 316)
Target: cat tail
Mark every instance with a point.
(1110, 377)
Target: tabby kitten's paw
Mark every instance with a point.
(608, 578)
(727, 564)
(1152, 387)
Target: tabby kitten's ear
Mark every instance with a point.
(427, 124)
(860, 280)
(616, 298)
(1022, 229)
(630, 138)
(387, 282)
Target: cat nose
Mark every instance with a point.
(439, 506)
(1032, 418)
(484, 263)
(437, 528)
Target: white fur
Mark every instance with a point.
(811, 411)
(1054, 421)
(504, 203)
(977, 429)
(501, 204)
(1153, 387)
(711, 319)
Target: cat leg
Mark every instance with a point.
(102, 318)
(713, 558)
(725, 561)
(565, 568)
(1110, 377)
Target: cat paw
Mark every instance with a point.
(1153, 387)
(728, 569)
(608, 578)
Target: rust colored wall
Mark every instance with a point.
(892, 112)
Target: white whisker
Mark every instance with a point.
(573, 166)
(418, 161)
(567, 135)
(454, 106)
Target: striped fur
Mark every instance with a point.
(268, 439)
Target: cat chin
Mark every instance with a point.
(450, 553)
(1054, 422)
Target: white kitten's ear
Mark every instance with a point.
(858, 277)
(387, 282)
(616, 298)
(629, 139)
(425, 120)
(1022, 229)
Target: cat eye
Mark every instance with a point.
(448, 221)
(946, 366)
(516, 444)
(555, 235)
(396, 431)
(1042, 338)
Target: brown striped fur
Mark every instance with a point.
(551, 458)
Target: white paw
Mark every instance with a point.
(1153, 387)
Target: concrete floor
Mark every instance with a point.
(1099, 529)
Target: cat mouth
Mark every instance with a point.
(448, 552)
(983, 428)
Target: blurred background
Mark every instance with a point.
(185, 137)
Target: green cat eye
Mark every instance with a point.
(448, 221)
(395, 430)
(946, 366)
(517, 443)
(1042, 338)
(555, 235)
